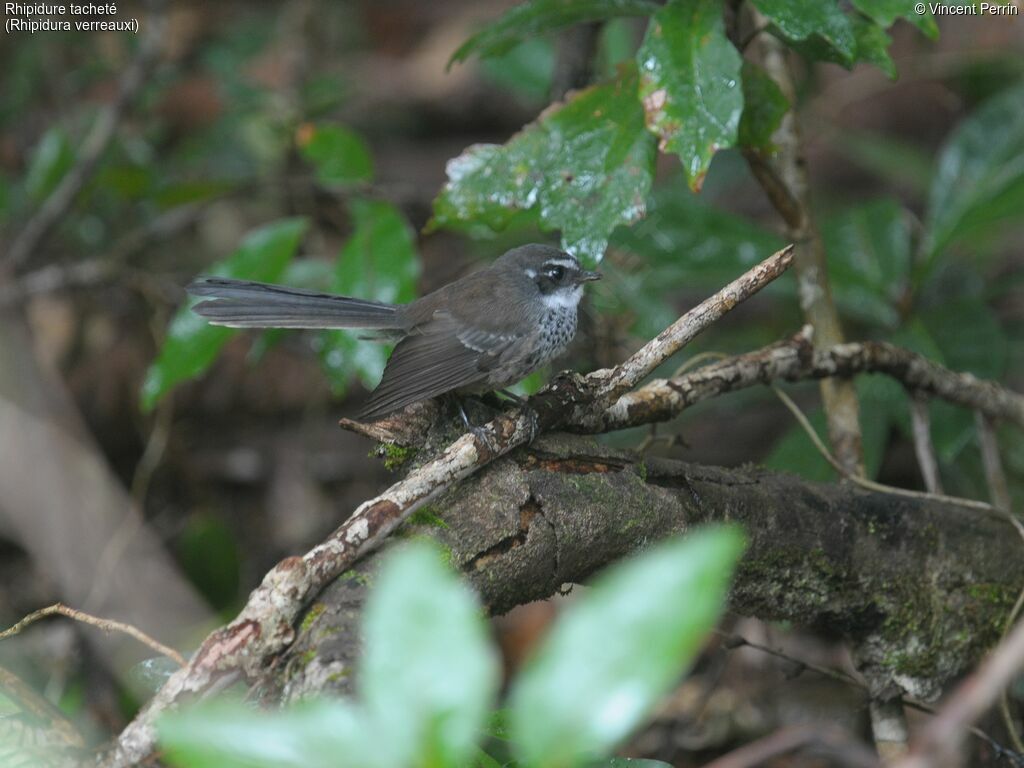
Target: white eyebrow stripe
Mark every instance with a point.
(567, 263)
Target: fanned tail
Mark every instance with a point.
(246, 304)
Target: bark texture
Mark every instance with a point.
(920, 587)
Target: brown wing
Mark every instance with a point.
(436, 357)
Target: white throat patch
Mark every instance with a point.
(563, 298)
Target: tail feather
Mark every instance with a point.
(245, 304)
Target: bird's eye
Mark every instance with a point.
(556, 273)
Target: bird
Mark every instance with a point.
(481, 333)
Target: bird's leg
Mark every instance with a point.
(479, 433)
(528, 409)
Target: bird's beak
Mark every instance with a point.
(586, 277)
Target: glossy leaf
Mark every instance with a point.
(804, 19)
(51, 159)
(526, 69)
(192, 344)
(378, 262)
(684, 244)
(980, 179)
(885, 12)
(429, 674)
(617, 650)
(583, 167)
(764, 106)
(537, 17)
(873, 44)
(690, 83)
(234, 735)
(869, 252)
(339, 156)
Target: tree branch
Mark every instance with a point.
(784, 179)
(921, 587)
(265, 625)
(796, 360)
(95, 144)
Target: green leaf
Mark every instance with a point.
(690, 83)
(764, 106)
(51, 159)
(538, 17)
(621, 647)
(969, 335)
(885, 12)
(429, 674)
(378, 262)
(868, 248)
(804, 19)
(898, 162)
(227, 734)
(684, 244)
(583, 167)
(192, 344)
(980, 179)
(526, 68)
(873, 44)
(339, 156)
(209, 555)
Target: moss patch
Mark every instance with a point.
(314, 613)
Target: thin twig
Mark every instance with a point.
(732, 641)
(924, 449)
(796, 360)
(1002, 512)
(999, 494)
(995, 477)
(871, 485)
(107, 625)
(28, 240)
(839, 744)
(786, 181)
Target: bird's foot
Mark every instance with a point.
(531, 413)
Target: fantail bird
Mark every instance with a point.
(480, 333)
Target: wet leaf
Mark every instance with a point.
(885, 12)
(804, 19)
(690, 83)
(980, 179)
(618, 649)
(192, 344)
(538, 17)
(873, 44)
(429, 674)
(583, 167)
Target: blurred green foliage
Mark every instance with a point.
(585, 169)
(429, 677)
(192, 344)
